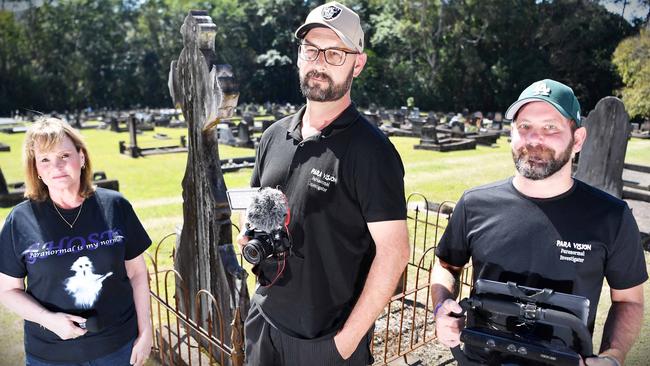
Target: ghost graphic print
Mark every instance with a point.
(85, 285)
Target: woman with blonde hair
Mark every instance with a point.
(80, 249)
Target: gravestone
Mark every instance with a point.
(225, 135)
(429, 135)
(603, 153)
(244, 134)
(431, 119)
(398, 119)
(204, 255)
(266, 123)
(416, 126)
(133, 139)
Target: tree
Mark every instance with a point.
(631, 60)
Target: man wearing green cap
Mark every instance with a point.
(544, 229)
(344, 185)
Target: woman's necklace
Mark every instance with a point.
(63, 218)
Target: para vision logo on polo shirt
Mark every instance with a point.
(572, 252)
(321, 181)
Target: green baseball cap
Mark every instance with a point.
(553, 92)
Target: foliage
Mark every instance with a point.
(446, 54)
(631, 60)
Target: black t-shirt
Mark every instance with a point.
(77, 271)
(336, 182)
(567, 243)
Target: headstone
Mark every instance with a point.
(398, 118)
(133, 139)
(204, 255)
(3, 184)
(414, 113)
(225, 135)
(432, 119)
(429, 135)
(603, 154)
(266, 123)
(115, 126)
(416, 126)
(645, 126)
(244, 134)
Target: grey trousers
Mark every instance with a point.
(267, 346)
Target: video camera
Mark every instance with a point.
(510, 324)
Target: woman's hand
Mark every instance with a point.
(141, 348)
(63, 325)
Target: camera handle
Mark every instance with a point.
(457, 352)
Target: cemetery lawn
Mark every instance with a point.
(153, 185)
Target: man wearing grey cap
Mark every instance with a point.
(544, 229)
(344, 184)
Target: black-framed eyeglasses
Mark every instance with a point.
(333, 56)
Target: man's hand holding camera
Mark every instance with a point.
(448, 323)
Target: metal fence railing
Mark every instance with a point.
(405, 325)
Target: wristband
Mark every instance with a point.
(435, 310)
(611, 358)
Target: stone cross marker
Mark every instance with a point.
(204, 256)
(603, 154)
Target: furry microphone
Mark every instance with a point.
(268, 210)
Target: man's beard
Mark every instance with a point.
(539, 162)
(330, 93)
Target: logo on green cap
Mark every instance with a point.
(540, 88)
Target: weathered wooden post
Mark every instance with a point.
(204, 254)
(603, 154)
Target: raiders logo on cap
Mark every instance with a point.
(330, 12)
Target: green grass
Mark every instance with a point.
(153, 185)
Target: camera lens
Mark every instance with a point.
(253, 252)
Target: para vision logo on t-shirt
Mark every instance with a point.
(71, 245)
(572, 252)
(321, 181)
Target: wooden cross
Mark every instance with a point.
(204, 255)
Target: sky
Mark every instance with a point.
(634, 9)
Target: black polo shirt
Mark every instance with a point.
(336, 182)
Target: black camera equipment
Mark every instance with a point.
(263, 245)
(267, 227)
(510, 324)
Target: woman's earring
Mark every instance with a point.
(39, 177)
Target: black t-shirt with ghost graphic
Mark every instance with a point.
(77, 271)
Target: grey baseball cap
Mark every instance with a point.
(339, 18)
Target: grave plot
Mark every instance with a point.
(13, 193)
(135, 151)
(431, 141)
(11, 125)
(457, 130)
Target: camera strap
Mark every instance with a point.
(279, 271)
